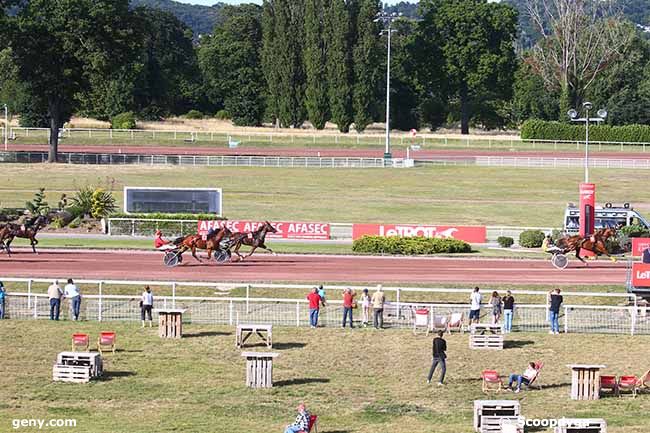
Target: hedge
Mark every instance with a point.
(543, 130)
(531, 238)
(505, 241)
(408, 246)
(123, 121)
(168, 216)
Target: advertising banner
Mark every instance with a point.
(587, 208)
(639, 245)
(476, 235)
(641, 275)
(286, 230)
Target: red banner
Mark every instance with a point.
(639, 245)
(587, 208)
(475, 235)
(641, 275)
(286, 230)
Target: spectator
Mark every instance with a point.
(54, 293)
(314, 305)
(3, 295)
(365, 307)
(321, 293)
(378, 299)
(475, 307)
(302, 420)
(146, 305)
(439, 357)
(348, 304)
(508, 310)
(526, 378)
(495, 302)
(71, 291)
(556, 302)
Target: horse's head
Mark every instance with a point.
(269, 227)
(608, 233)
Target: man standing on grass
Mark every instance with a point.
(475, 307)
(54, 293)
(314, 306)
(71, 292)
(378, 299)
(554, 311)
(439, 357)
(3, 295)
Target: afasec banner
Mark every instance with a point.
(286, 230)
(641, 275)
(475, 235)
(639, 245)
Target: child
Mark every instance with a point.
(321, 293)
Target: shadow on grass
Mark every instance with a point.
(284, 346)
(514, 344)
(551, 385)
(206, 334)
(303, 381)
(110, 375)
(127, 351)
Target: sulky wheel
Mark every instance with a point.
(171, 259)
(222, 256)
(560, 261)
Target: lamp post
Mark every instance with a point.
(573, 115)
(387, 19)
(587, 190)
(6, 128)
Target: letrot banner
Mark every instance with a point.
(471, 234)
(286, 229)
(641, 275)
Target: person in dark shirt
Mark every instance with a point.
(554, 311)
(439, 357)
(508, 310)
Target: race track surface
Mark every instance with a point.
(450, 154)
(125, 265)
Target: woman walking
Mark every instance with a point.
(495, 302)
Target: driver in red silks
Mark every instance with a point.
(160, 243)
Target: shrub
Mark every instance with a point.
(535, 129)
(123, 121)
(38, 205)
(505, 241)
(194, 114)
(58, 223)
(635, 231)
(223, 115)
(531, 238)
(409, 245)
(169, 216)
(103, 203)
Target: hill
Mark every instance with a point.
(201, 19)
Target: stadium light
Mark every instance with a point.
(573, 115)
(387, 19)
(6, 128)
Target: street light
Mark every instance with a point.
(6, 128)
(387, 19)
(573, 115)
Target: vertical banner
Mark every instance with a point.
(587, 208)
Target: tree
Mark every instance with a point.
(405, 97)
(531, 100)
(231, 63)
(476, 40)
(339, 68)
(579, 40)
(315, 63)
(366, 61)
(56, 46)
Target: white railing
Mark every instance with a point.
(541, 162)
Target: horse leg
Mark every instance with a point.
(264, 247)
(236, 250)
(580, 258)
(194, 254)
(33, 241)
(253, 248)
(8, 246)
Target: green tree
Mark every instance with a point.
(269, 61)
(366, 55)
(315, 63)
(476, 39)
(531, 100)
(339, 68)
(231, 63)
(405, 97)
(57, 45)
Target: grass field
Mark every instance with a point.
(440, 195)
(357, 381)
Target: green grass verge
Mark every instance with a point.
(434, 195)
(360, 381)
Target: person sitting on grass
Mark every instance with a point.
(525, 378)
(302, 421)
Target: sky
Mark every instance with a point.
(211, 2)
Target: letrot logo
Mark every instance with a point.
(641, 275)
(463, 233)
(410, 231)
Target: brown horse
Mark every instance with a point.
(29, 230)
(196, 241)
(253, 239)
(594, 243)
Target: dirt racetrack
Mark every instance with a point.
(135, 265)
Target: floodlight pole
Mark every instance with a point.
(6, 128)
(587, 144)
(387, 19)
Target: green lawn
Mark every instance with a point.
(435, 195)
(360, 381)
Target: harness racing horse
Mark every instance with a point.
(196, 241)
(253, 239)
(29, 230)
(594, 243)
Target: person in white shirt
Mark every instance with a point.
(146, 305)
(71, 291)
(54, 293)
(475, 307)
(527, 377)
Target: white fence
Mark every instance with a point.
(540, 162)
(28, 304)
